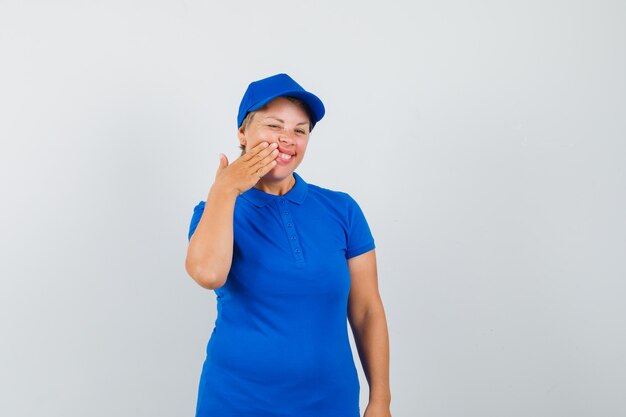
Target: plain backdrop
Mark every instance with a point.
(484, 141)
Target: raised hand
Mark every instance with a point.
(244, 172)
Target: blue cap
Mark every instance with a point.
(261, 92)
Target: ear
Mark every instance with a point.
(242, 136)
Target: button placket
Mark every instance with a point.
(290, 230)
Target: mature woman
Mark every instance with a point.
(289, 261)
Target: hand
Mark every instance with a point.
(377, 410)
(247, 170)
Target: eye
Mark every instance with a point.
(302, 132)
(273, 126)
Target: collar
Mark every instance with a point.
(261, 198)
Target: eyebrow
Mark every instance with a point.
(282, 121)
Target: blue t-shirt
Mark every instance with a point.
(280, 346)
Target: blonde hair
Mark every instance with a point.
(246, 121)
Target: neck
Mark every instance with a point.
(281, 187)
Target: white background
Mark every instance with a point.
(484, 140)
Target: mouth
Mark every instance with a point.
(284, 154)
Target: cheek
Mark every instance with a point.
(257, 138)
(301, 147)
(267, 135)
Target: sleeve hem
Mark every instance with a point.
(361, 250)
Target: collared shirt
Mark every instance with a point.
(280, 339)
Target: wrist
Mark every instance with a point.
(223, 191)
(380, 398)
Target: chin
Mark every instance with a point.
(275, 178)
(278, 176)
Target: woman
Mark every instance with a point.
(289, 262)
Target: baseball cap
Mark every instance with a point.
(261, 92)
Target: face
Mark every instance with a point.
(285, 123)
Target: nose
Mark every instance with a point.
(285, 138)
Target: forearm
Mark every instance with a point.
(372, 340)
(210, 251)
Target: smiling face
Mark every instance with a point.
(284, 122)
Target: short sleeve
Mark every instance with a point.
(195, 218)
(360, 239)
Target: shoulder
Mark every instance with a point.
(335, 197)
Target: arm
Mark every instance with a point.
(367, 319)
(210, 251)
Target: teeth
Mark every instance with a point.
(284, 155)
